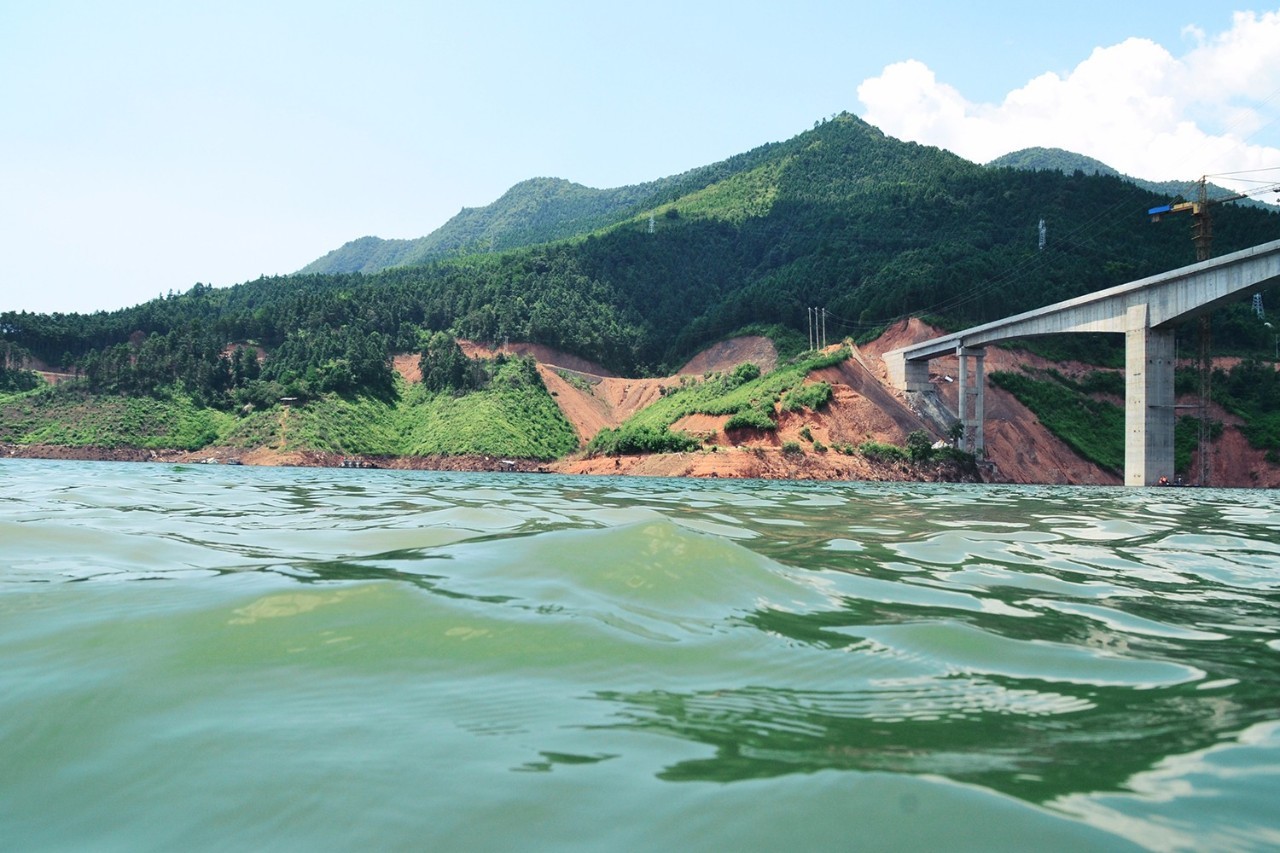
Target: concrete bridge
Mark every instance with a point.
(1144, 311)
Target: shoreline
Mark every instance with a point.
(268, 458)
(754, 463)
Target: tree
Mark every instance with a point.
(443, 365)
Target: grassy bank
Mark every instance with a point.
(513, 416)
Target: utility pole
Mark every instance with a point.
(817, 328)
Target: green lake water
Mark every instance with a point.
(222, 658)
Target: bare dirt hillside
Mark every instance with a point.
(727, 355)
(861, 409)
(865, 407)
(593, 399)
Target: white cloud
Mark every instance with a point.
(1132, 105)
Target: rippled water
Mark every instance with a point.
(209, 657)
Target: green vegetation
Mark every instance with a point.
(1095, 429)
(752, 417)
(1099, 350)
(744, 394)
(1251, 390)
(15, 380)
(840, 216)
(1092, 428)
(919, 450)
(445, 368)
(1186, 440)
(1069, 162)
(812, 397)
(878, 451)
(512, 416)
(576, 380)
(641, 438)
(919, 446)
(78, 419)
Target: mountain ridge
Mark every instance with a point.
(532, 211)
(1067, 162)
(547, 209)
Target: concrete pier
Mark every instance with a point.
(1148, 404)
(970, 398)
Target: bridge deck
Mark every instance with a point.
(1171, 297)
(1145, 311)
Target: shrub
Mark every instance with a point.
(752, 417)
(813, 397)
(878, 451)
(1103, 382)
(919, 446)
(13, 379)
(744, 372)
(640, 439)
(792, 447)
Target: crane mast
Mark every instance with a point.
(1202, 237)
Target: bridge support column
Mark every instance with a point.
(970, 398)
(1148, 389)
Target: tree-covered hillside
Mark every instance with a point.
(840, 217)
(535, 211)
(1068, 162)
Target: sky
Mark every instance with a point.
(148, 146)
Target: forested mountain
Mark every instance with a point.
(1068, 162)
(840, 217)
(535, 211)
(1053, 159)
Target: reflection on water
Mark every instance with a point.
(245, 655)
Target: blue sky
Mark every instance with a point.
(148, 146)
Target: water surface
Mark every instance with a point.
(198, 657)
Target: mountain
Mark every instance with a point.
(1053, 159)
(840, 217)
(543, 210)
(534, 211)
(1068, 162)
(539, 210)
